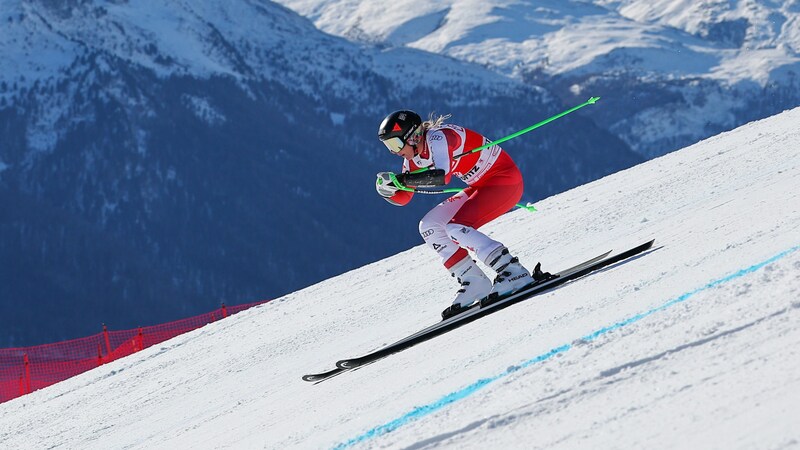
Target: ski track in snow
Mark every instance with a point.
(493, 422)
(718, 370)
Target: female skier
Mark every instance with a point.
(494, 186)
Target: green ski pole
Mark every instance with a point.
(591, 101)
(529, 206)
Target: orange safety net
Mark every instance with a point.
(24, 370)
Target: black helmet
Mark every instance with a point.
(397, 128)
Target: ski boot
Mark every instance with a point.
(511, 275)
(475, 286)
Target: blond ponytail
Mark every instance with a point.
(434, 121)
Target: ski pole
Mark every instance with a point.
(591, 101)
(528, 206)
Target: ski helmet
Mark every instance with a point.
(397, 128)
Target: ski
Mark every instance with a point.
(493, 306)
(314, 377)
(477, 305)
(486, 306)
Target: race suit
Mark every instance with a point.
(494, 186)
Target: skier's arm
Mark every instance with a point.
(437, 143)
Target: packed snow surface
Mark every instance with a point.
(695, 344)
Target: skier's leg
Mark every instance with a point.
(484, 205)
(433, 229)
(474, 284)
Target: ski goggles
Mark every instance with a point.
(394, 144)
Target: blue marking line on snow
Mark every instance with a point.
(422, 411)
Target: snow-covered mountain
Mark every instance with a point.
(157, 158)
(692, 345)
(673, 71)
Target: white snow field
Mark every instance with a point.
(695, 344)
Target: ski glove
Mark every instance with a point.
(384, 185)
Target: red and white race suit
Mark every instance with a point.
(494, 186)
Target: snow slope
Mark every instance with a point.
(692, 345)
